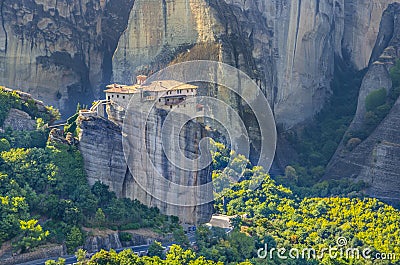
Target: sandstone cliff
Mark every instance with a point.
(19, 120)
(100, 142)
(376, 159)
(60, 51)
(287, 46)
(103, 153)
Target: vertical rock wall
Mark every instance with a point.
(287, 46)
(376, 159)
(104, 158)
(58, 50)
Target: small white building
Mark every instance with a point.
(120, 94)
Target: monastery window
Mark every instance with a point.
(123, 97)
(109, 97)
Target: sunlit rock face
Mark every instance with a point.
(287, 46)
(100, 143)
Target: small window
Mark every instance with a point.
(170, 107)
(117, 96)
(109, 97)
(112, 95)
(123, 97)
(192, 90)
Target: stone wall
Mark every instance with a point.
(42, 253)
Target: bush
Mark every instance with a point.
(125, 237)
(382, 111)
(4, 145)
(74, 239)
(371, 119)
(352, 143)
(375, 99)
(156, 249)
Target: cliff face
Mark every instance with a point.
(60, 51)
(375, 160)
(100, 143)
(288, 46)
(103, 153)
(64, 51)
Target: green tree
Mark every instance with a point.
(244, 245)
(32, 236)
(156, 249)
(74, 239)
(104, 258)
(80, 255)
(181, 238)
(100, 218)
(375, 99)
(4, 145)
(177, 255)
(291, 174)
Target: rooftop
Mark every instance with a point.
(122, 89)
(155, 86)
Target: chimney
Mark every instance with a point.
(140, 79)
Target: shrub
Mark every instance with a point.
(371, 119)
(4, 145)
(352, 143)
(125, 237)
(382, 111)
(375, 99)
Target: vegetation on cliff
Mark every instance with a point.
(45, 196)
(316, 143)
